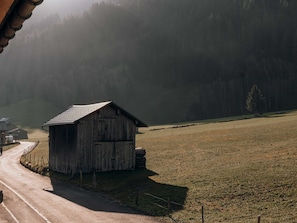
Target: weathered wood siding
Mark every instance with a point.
(63, 152)
(106, 141)
(108, 156)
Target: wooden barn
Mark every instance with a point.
(96, 137)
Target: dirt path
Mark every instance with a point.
(29, 197)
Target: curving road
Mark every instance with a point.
(32, 198)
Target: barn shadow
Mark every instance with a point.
(120, 191)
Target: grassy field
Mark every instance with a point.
(38, 157)
(237, 170)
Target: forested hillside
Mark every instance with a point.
(163, 60)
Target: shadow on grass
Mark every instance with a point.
(134, 189)
(276, 115)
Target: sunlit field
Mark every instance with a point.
(237, 170)
(38, 157)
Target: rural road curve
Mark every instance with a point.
(32, 198)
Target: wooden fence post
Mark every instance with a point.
(169, 206)
(1, 196)
(259, 218)
(136, 199)
(202, 213)
(94, 180)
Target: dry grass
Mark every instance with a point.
(37, 135)
(237, 170)
(10, 146)
(37, 158)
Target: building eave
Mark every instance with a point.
(15, 14)
(76, 112)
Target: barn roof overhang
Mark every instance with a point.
(76, 112)
(13, 13)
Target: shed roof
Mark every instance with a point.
(4, 124)
(4, 120)
(13, 14)
(77, 112)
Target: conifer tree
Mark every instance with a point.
(255, 101)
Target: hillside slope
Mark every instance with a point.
(166, 61)
(29, 113)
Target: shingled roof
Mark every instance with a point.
(13, 14)
(77, 112)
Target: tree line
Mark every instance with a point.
(165, 60)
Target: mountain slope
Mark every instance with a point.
(166, 61)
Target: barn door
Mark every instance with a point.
(124, 155)
(102, 154)
(108, 156)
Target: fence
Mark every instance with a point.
(167, 205)
(30, 148)
(34, 162)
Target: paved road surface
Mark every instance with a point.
(32, 198)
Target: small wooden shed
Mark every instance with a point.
(8, 128)
(96, 137)
(17, 133)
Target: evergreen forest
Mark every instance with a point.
(164, 61)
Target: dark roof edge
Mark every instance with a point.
(45, 124)
(12, 7)
(138, 122)
(19, 12)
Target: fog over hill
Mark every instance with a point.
(162, 60)
(63, 8)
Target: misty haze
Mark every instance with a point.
(168, 61)
(148, 111)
